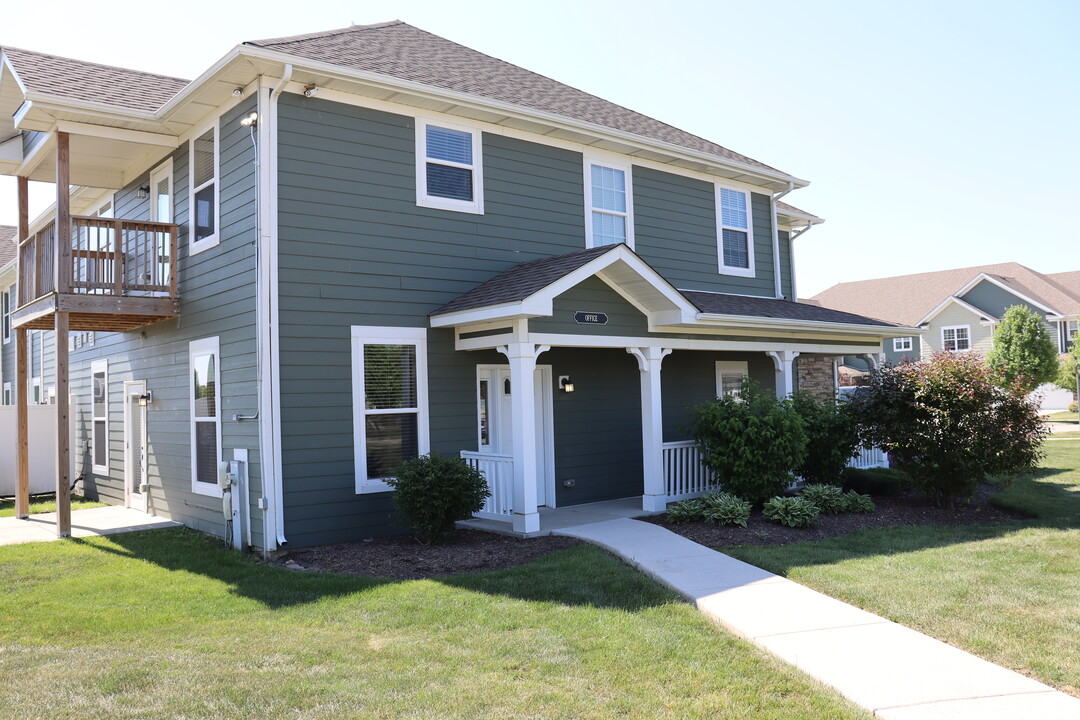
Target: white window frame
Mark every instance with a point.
(903, 344)
(7, 399)
(201, 347)
(965, 328)
(380, 335)
(628, 176)
(108, 199)
(730, 367)
(165, 170)
(99, 366)
(1070, 331)
(196, 247)
(749, 270)
(474, 206)
(7, 299)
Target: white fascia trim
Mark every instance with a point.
(37, 154)
(753, 321)
(990, 278)
(140, 137)
(954, 299)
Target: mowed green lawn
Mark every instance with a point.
(45, 505)
(1009, 593)
(167, 625)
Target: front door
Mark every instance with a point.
(495, 421)
(135, 482)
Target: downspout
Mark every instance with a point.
(776, 240)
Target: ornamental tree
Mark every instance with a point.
(1068, 367)
(1023, 351)
(950, 421)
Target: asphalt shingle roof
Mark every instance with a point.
(722, 304)
(402, 51)
(8, 248)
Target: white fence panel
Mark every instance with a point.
(869, 457)
(684, 475)
(498, 470)
(42, 438)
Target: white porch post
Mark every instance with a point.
(785, 371)
(649, 361)
(874, 360)
(522, 357)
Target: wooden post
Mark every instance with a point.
(118, 257)
(63, 429)
(22, 432)
(63, 213)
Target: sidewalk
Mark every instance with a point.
(108, 520)
(895, 672)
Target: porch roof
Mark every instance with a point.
(745, 306)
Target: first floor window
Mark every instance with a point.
(99, 373)
(205, 383)
(729, 378)
(390, 419)
(7, 393)
(956, 338)
(735, 232)
(609, 205)
(901, 344)
(449, 171)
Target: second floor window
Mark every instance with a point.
(901, 344)
(735, 232)
(204, 191)
(5, 299)
(609, 205)
(954, 339)
(449, 173)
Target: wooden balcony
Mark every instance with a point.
(111, 275)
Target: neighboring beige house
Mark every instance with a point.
(958, 310)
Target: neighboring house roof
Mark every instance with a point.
(80, 80)
(907, 299)
(8, 248)
(400, 50)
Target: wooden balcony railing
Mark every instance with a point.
(104, 256)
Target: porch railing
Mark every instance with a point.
(104, 256)
(498, 470)
(684, 475)
(870, 457)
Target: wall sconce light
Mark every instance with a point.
(565, 385)
(147, 399)
(143, 193)
(251, 120)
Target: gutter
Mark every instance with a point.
(754, 321)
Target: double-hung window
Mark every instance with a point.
(735, 232)
(956, 338)
(609, 204)
(1070, 335)
(203, 187)
(390, 413)
(901, 344)
(449, 171)
(204, 366)
(5, 299)
(99, 403)
(730, 375)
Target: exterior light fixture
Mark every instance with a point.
(310, 91)
(143, 192)
(251, 120)
(146, 399)
(565, 385)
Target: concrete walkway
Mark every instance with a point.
(893, 671)
(109, 520)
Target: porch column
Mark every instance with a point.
(649, 359)
(785, 371)
(874, 360)
(22, 446)
(522, 357)
(60, 336)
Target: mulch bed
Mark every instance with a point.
(403, 558)
(906, 509)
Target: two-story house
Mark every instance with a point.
(335, 251)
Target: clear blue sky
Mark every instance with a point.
(935, 134)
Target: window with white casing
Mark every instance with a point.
(901, 344)
(204, 367)
(203, 189)
(390, 407)
(730, 375)
(735, 234)
(7, 394)
(956, 338)
(1070, 334)
(99, 404)
(449, 167)
(609, 204)
(6, 299)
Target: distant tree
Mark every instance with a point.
(1068, 366)
(1023, 351)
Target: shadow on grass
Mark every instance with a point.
(583, 576)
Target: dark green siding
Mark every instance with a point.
(688, 379)
(592, 295)
(785, 265)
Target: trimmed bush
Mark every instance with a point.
(854, 502)
(686, 511)
(724, 508)
(794, 512)
(433, 492)
(832, 437)
(889, 482)
(828, 498)
(751, 442)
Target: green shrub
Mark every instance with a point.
(686, 511)
(889, 482)
(751, 442)
(794, 512)
(832, 437)
(854, 502)
(724, 508)
(828, 498)
(1073, 407)
(433, 492)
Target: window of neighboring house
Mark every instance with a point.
(449, 171)
(956, 338)
(901, 344)
(609, 204)
(729, 377)
(203, 218)
(5, 300)
(1070, 334)
(390, 413)
(204, 366)
(99, 373)
(7, 393)
(735, 232)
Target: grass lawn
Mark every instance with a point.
(7, 507)
(1063, 416)
(165, 624)
(1009, 593)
